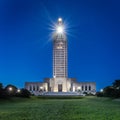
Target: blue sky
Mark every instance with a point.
(93, 31)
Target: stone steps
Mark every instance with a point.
(61, 94)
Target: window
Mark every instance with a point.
(82, 87)
(37, 88)
(30, 88)
(89, 87)
(33, 88)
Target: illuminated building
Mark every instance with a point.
(60, 81)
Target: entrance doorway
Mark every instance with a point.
(59, 87)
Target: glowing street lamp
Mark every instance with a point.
(10, 88)
(18, 90)
(41, 87)
(79, 88)
(101, 90)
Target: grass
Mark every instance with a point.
(88, 108)
(60, 97)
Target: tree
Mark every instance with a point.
(116, 84)
(1, 86)
(23, 93)
(3, 93)
(1, 90)
(11, 90)
(109, 91)
(99, 94)
(112, 91)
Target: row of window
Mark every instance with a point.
(36, 88)
(86, 88)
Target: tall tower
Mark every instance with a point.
(59, 51)
(60, 72)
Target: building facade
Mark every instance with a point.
(60, 81)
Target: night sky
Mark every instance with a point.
(93, 31)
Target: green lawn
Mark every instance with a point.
(88, 108)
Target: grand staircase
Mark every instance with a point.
(61, 94)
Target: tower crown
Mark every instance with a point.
(59, 34)
(60, 27)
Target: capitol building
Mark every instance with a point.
(60, 82)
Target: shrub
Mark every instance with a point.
(99, 94)
(23, 93)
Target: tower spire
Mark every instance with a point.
(59, 20)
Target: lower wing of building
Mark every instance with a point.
(60, 85)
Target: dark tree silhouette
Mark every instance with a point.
(23, 93)
(111, 91)
(3, 93)
(11, 90)
(1, 90)
(116, 84)
(1, 86)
